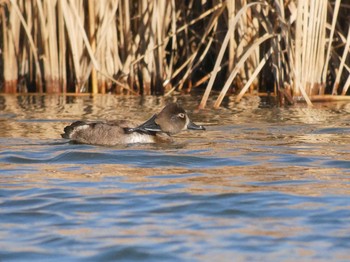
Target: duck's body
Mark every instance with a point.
(105, 133)
(171, 120)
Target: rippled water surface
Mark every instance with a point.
(262, 183)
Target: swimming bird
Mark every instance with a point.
(171, 120)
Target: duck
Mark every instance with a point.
(171, 120)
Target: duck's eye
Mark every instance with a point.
(181, 115)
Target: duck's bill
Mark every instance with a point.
(193, 126)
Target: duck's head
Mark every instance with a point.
(171, 120)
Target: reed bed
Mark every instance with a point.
(295, 49)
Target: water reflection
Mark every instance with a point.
(296, 180)
(263, 183)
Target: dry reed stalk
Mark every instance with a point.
(152, 47)
(310, 39)
(62, 49)
(244, 33)
(191, 64)
(49, 45)
(346, 86)
(341, 67)
(73, 41)
(104, 35)
(254, 75)
(92, 40)
(147, 43)
(170, 69)
(9, 51)
(230, 31)
(238, 67)
(231, 8)
(334, 21)
(156, 28)
(15, 39)
(83, 34)
(161, 23)
(53, 83)
(81, 61)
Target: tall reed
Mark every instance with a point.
(160, 47)
(301, 54)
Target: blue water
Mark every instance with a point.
(261, 184)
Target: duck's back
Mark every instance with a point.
(104, 133)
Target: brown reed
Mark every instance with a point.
(147, 47)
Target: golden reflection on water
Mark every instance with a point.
(309, 181)
(36, 116)
(264, 140)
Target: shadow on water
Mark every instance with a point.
(262, 183)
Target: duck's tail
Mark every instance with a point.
(71, 129)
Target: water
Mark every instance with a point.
(262, 183)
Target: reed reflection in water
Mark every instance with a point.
(263, 183)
